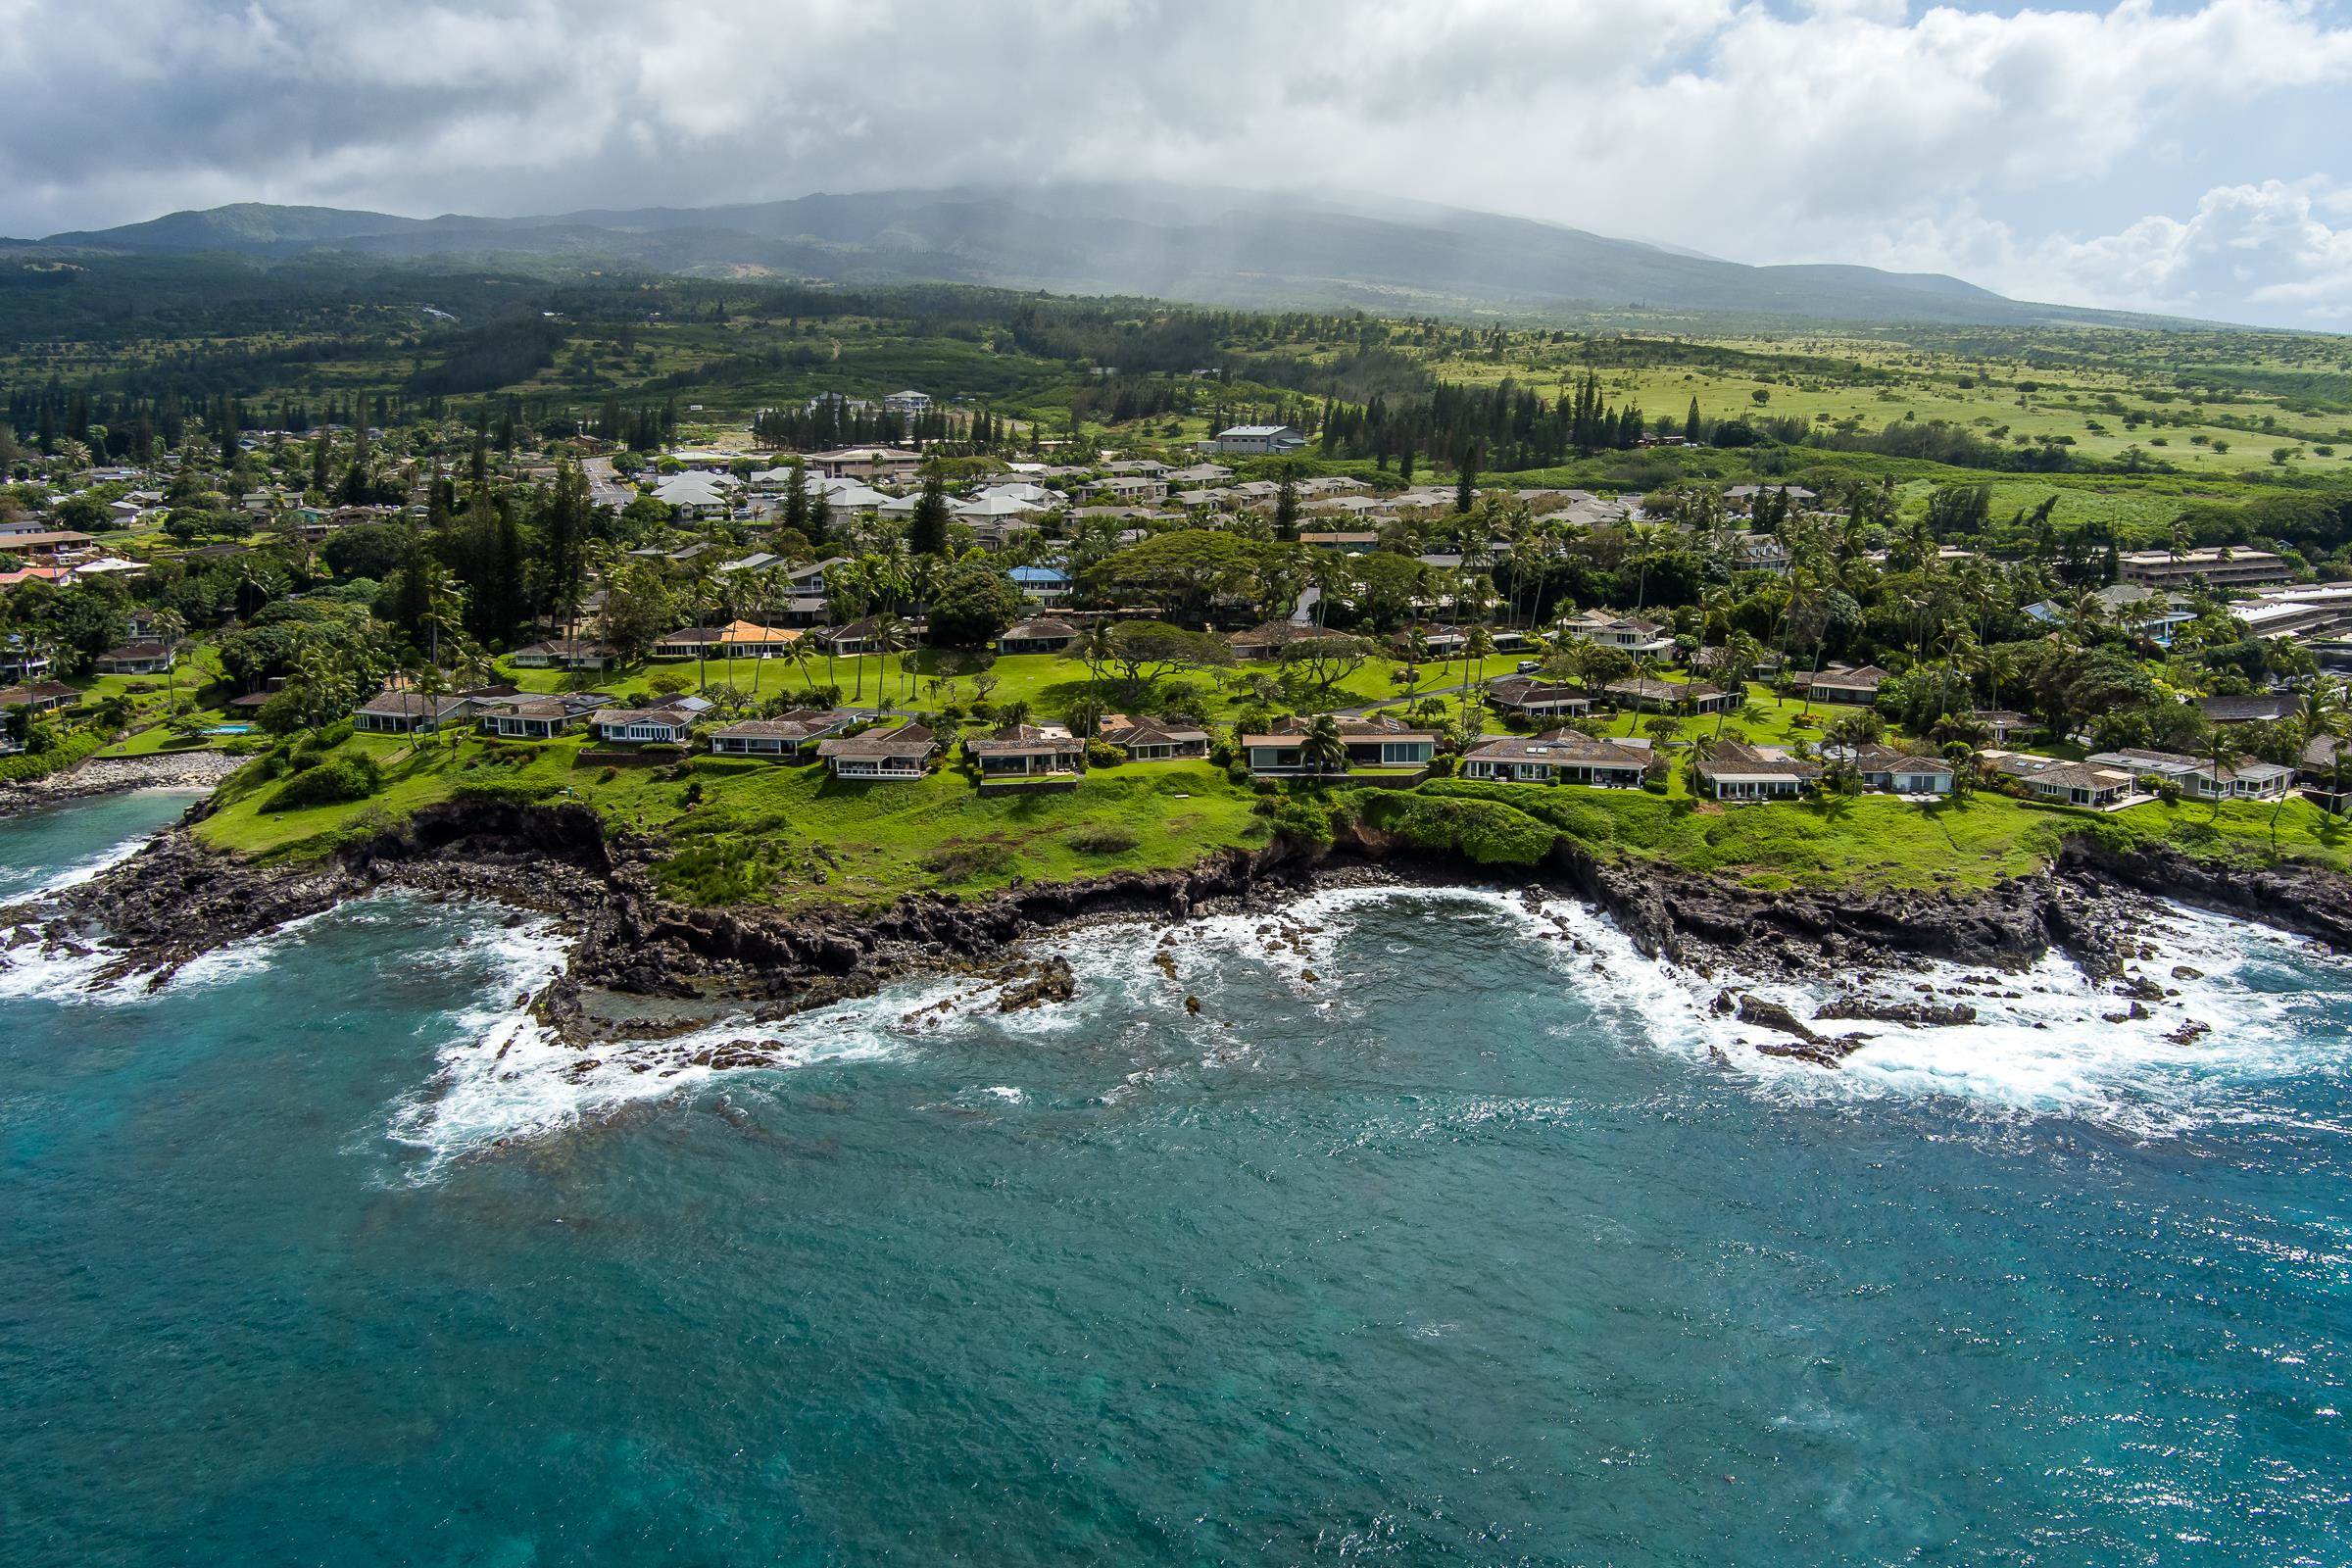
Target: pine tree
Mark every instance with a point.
(1691, 423)
(927, 535)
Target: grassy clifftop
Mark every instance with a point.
(732, 831)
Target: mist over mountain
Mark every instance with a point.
(1201, 245)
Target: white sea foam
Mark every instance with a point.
(2045, 1041)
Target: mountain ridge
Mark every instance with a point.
(1202, 245)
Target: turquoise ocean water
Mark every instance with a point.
(1441, 1236)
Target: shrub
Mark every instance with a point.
(351, 776)
(1102, 838)
(1102, 754)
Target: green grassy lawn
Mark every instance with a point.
(743, 831)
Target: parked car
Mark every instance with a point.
(1528, 666)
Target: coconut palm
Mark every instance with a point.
(1323, 748)
(1474, 652)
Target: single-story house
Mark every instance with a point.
(2259, 707)
(2235, 779)
(1666, 695)
(1350, 542)
(2064, 783)
(1563, 756)
(865, 636)
(1043, 634)
(1371, 742)
(2000, 723)
(690, 642)
(1154, 740)
(392, 712)
(564, 653)
(1537, 699)
(1840, 683)
(1738, 772)
(639, 726)
(1899, 772)
(534, 718)
(899, 753)
(1439, 642)
(1264, 642)
(788, 734)
(40, 696)
(1027, 749)
(135, 659)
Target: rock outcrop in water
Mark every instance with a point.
(179, 898)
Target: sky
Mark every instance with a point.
(2193, 157)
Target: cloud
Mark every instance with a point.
(1824, 130)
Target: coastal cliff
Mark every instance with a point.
(179, 898)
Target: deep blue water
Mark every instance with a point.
(1462, 1251)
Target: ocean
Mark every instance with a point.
(1449, 1230)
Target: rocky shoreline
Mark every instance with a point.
(110, 775)
(643, 966)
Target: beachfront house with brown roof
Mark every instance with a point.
(787, 735)
(533, 718)
(1154, 740)
(1894, 770)
(1027, 750)
(1842, 683)
(899, 754)
(1373, 744)
(1738, 772)
(393, 712)
(1561, 757)
(2064, 783)
(2237, 778)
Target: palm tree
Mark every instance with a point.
(1479, 647)
(1702, 748)
(702, 593)
(1416, 654)
(890, 637)
(755, 594)
(1097, 648)
(169, 628)
(1324, 749)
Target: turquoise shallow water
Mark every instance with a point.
(1464, 1251)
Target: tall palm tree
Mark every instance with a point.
(755, 596)
(1474, 652)
(1097, 648)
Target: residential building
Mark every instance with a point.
(787, 735)
(2239, 778)
(1667, 696)
(1737, 771)
(642, 726)
(1534, 698)
(1630, 633)
(135, 659)
(2256, 708)
(900, 754)
(397, 712)
(1561, 757)
(1154, 740)
(1257, 439)
(2065, 783)
(40, 696)
(1027, 750)
(536, 719)
(1043, 634)
(564, 653)
(908, 402)
(2222, 568)
(1372, 743)
(1894, 770)
(1842, 683)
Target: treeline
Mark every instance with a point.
(1511, 427)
